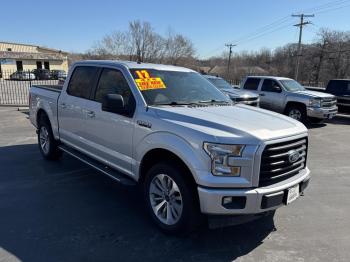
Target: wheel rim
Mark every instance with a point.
(166, 199)
(295, 114)
(44, 140)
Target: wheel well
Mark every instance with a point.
(290, 104)
(158, 155)
(41, 113)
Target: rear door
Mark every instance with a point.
(252, 84)
(71, 106)
(271, 95)
(110, 134)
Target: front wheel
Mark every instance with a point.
(297, 112)
(171, 199)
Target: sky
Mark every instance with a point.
(75, 26)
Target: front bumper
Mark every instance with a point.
(322, 113)
(256, 200)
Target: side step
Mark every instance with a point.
(114, 174)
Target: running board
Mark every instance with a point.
(114, 174)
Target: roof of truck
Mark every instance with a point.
(132, 65)
(272, 77)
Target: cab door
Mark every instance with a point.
(110, 134)
(71, 106)
(271, 95)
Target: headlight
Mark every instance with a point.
(315, 102)
(219, 154)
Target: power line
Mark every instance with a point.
(324, 6)
(300, 25)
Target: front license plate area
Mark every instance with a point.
(330, 116)
(292, 194)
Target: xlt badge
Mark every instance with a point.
(144, 123)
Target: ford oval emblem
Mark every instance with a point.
(293, 156)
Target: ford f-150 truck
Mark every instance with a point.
(168, 129)
(236, 95)
(287, 96)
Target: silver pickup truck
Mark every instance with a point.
(168, 129)
(287, 96)
(235, 94)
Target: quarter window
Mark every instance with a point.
(83, 80)
(251, 84)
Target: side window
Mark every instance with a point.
(270, 85)
(251, 84)
(82, 81)
(112, 81)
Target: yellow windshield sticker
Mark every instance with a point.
(145, 82)
(150, 83)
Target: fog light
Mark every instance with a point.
(235, 202)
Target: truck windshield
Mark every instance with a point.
(292, 85)
(162, 87)
(220, 83)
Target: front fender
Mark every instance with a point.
(191, 154)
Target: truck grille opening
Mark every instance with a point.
(282, 160)
(329, 102)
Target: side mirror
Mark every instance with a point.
(114, 103)
(276, 89)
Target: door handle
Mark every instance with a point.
(63, 105)
(90, 113)
(262, 94)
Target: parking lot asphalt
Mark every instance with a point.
(66, 211)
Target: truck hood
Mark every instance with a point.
(314, 94)
(239, 93)
(232, 121)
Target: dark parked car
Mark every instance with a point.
(22, 75)
(341, 89)
(42, 74)
(58, 74)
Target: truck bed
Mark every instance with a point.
(45, 97)
(55, 88)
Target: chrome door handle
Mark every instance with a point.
(90, 113)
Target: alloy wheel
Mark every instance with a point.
(44, 140)
(166, 199)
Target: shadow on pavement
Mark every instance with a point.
(66, 211)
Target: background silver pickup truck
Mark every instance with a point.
(287, 96)
(235, 94)
(170, 130)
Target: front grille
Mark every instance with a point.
(329, 102)
(275, 164)
(343, 101)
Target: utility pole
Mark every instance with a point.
(300, 25)
(229, 57)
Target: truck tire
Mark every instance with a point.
(48, 146)
(171, 200)
(297, 112)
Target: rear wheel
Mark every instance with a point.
(297, 112)
(48, 146)
(171, 199)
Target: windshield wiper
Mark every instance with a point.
(174, 103)
(212, 101)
